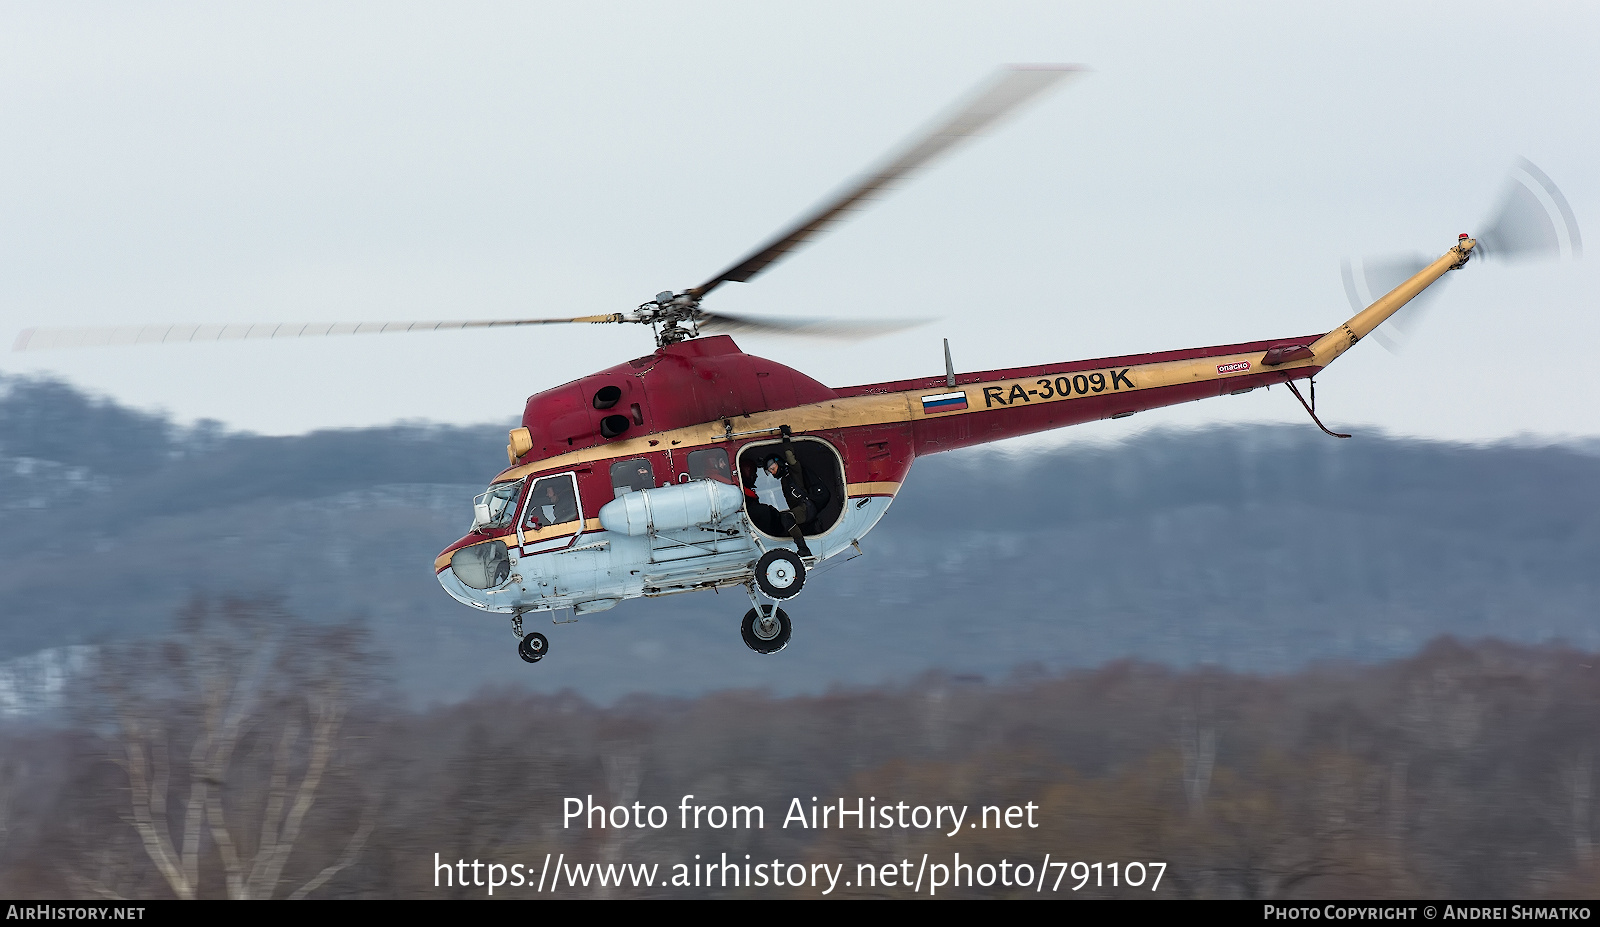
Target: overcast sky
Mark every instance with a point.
(330, 162)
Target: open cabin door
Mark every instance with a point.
(821, 464)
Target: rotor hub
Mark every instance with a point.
(674, 317)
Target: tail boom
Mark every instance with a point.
(1361, 325)
(997, 404)
(993, 405)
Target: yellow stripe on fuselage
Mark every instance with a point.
(906, 406)
(557, 531)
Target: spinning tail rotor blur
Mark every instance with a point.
(1533, 222)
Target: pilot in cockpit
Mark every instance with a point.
(552, 504)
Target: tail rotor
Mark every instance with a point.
(1533, 222)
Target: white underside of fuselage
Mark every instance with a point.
(599, 569)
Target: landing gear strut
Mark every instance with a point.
(530, 647)
(766, 629)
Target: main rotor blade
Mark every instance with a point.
(836, 329)
(44, 339)
(994, 99)
(1534, 220)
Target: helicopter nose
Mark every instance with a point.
(471, 567)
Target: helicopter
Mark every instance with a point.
(699, 466)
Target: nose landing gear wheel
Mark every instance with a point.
(767, 632)
(534, 646)
(780, 574)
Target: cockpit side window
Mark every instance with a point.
(497, 507)
(553, 501)
(632, 476)
(710, 464)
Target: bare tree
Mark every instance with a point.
(1576, 781)
(624, 771)
(1198, 742)
(228, 737)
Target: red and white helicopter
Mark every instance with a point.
(657, 476)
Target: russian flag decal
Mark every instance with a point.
(944, 402)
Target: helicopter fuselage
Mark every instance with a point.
(706, 398)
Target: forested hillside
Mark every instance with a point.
(1257, 549)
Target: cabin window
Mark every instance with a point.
(710, 464)
(632, 476)
(553, 501)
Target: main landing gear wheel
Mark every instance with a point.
(780, 574)
(768, 633)
(534, 646)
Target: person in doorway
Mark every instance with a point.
(786, 468)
